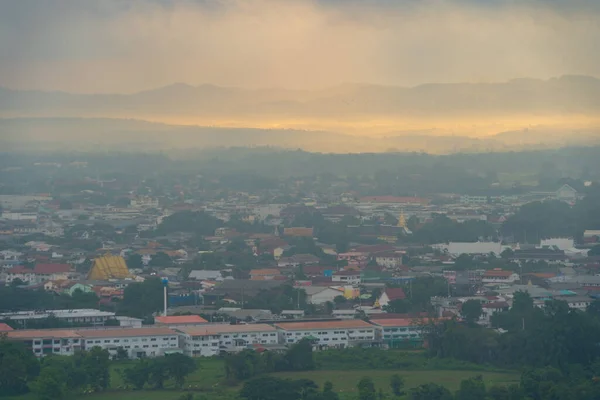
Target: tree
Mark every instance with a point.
(179, 366)
(328, 393)
(398, 306)
(50, 385)
(366, 389)
(134, 261)
(594, 251)
(471, 389)
(160, 259)
(95, 363)
(137, 376)
(270, 388)
(299, 357)
(397, 385)
(141, 299)
(471, 311)
(18, 367)
(339, 300)
(430, 391)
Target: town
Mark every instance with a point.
(144, 267)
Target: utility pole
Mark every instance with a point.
(165, 282)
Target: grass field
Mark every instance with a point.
(209, 378)
(344, 382)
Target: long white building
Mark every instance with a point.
(137, 342)
(210, 340)
(337, 334)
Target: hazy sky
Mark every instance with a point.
(131, 45)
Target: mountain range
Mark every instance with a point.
(436, 118)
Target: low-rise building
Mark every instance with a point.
(498, 275)
(389, 295)
(346, 278)
(43, 342)
(173, 321)
(81, 316)
(336, 334)
(401, 332)
(213, 339)
(137, 342)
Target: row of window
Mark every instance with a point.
(127, 340)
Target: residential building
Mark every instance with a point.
(203, 275)
(212, 339)
(85, 316)
(498, 275)
(400, 332)
(389, 259)
(138, 342)
(264, 274)
(298, 232)
(321, 294)
(389, 295)
(336, 334)
(346, 277)
(43, 342)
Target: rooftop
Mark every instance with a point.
(42, 333)
(309, 326)
(216, 329)
(180, 319)
(128, 332)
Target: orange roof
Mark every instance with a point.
(180, 319)
(216, 329)
(42, 333)
(309, 326)
(100, 333)
(5, 327)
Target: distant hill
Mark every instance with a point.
(565, 95)
(135, 135)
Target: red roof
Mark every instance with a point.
(5, 327)
(18, 269)
(395, 294)
(51, 268)
(180, 319)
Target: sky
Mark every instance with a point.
(124, 46)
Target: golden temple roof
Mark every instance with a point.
(109, 267)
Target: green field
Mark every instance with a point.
(209, 378)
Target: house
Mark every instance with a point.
(389, 295)
(389, 259)
(491, 308)
(264, 274)
(20, 272)
(298, 259)
(336, 334)
(400, 332)
(591, 236)
(346, 278)
(206, 275)
(298, 232)
(215, 339)
(566, 193)
(137, 342)
(497, 275)
(321, 294)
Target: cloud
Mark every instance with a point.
(130, 45)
